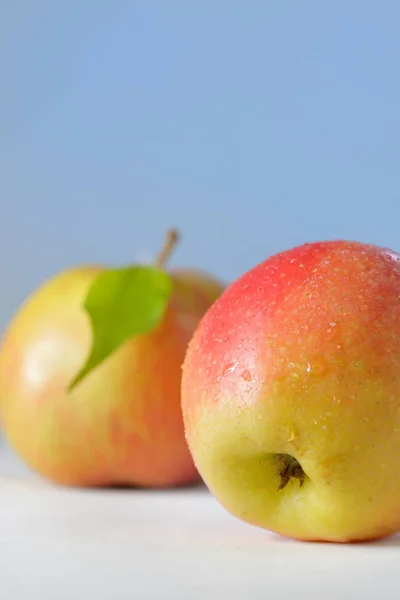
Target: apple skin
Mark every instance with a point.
(199, 284)
(301, 356)
(122, 424)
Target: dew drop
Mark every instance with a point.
(246, 375)
(229, 368)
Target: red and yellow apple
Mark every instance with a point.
(291, 393)
(122, 423)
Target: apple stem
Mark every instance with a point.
(170, 241)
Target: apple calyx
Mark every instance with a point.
(126, 302)
(289, 468)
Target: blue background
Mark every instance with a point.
(252, 126)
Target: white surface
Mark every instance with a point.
(63, 544)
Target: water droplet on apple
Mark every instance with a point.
(246, 375)
(308, 368)
(393, 255)
(229, 368)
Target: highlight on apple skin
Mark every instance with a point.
(291, 393)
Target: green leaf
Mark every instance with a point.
(121, 304)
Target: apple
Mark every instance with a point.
(90, 374)
(291, 393)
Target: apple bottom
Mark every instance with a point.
(337, 498)
(148, 452)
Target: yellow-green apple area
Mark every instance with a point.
(90, 374)
(291, 393)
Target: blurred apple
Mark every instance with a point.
(90, 374)
(291, 393)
